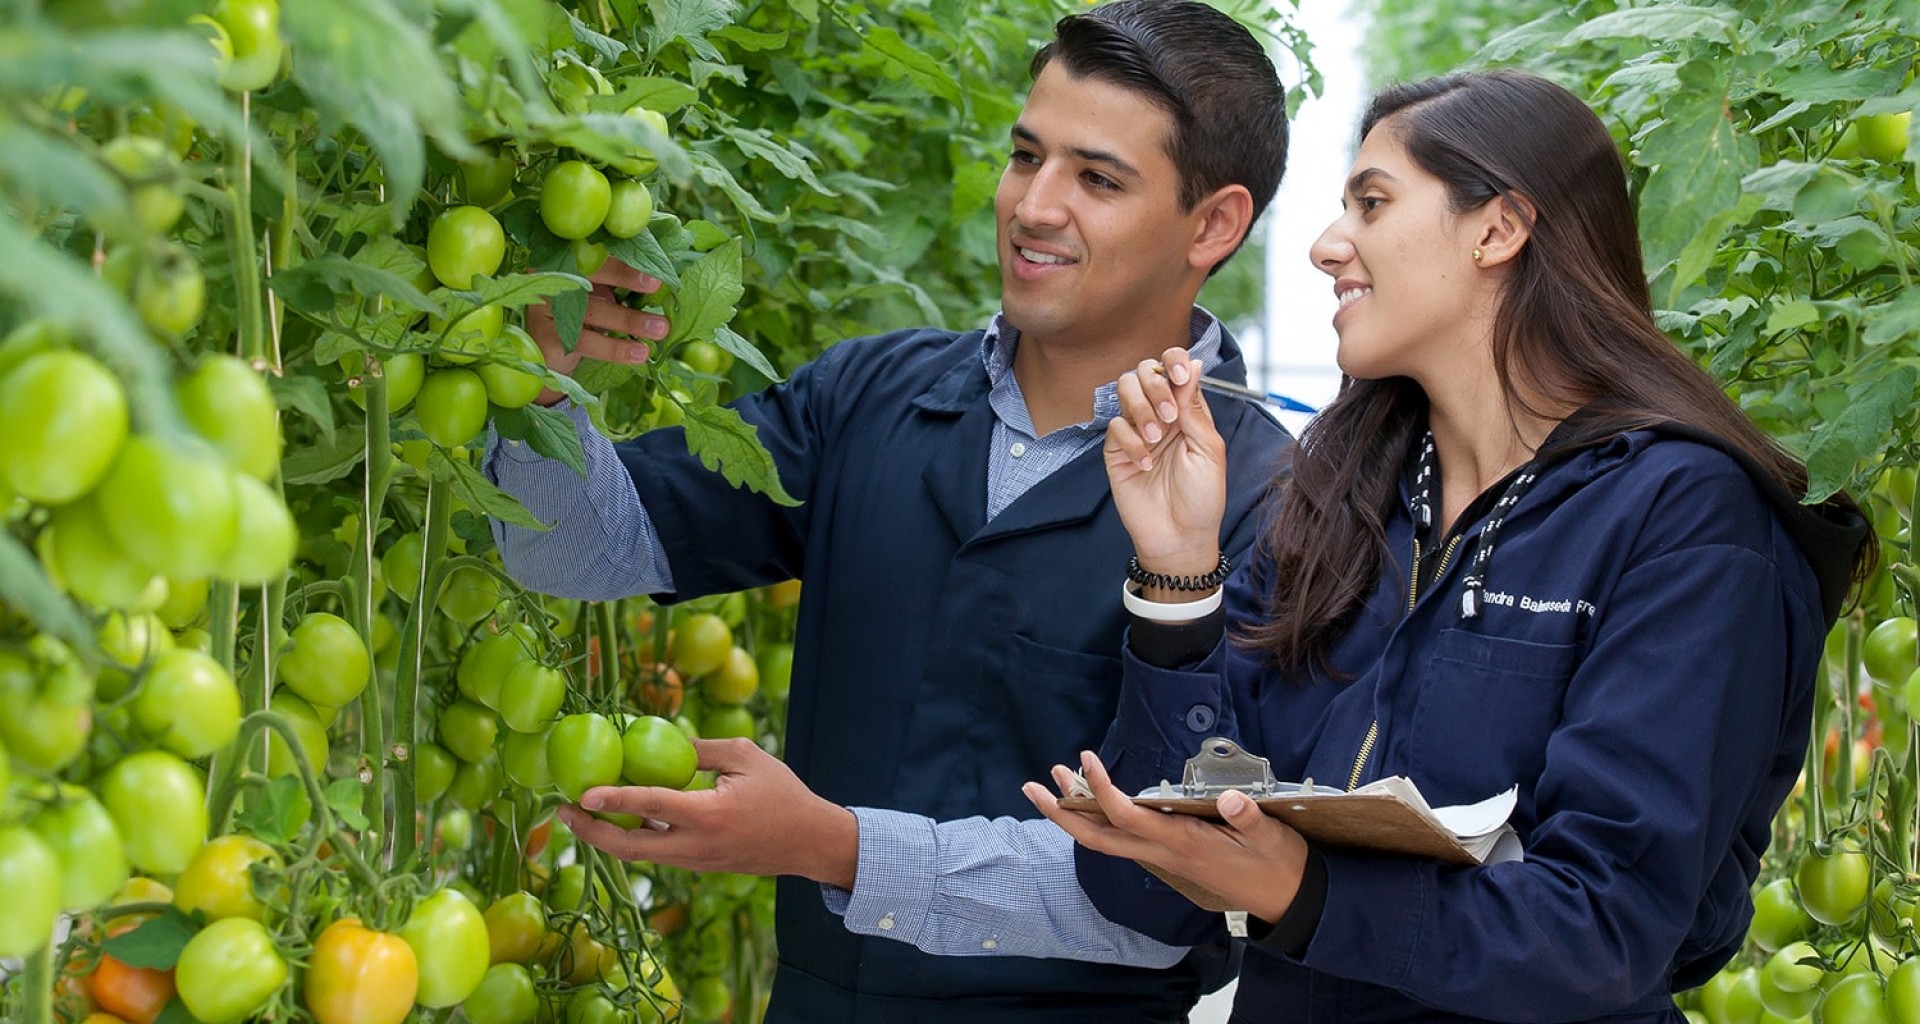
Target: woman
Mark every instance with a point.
(1530, 544)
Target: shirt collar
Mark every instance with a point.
(1002, 339)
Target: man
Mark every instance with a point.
(961, 616)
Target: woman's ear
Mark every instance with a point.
(1504, 225)
(1223, 220)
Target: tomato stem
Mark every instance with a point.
(246, 257)
(406, 703)
(36, 987)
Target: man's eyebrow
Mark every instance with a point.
(1098, 156)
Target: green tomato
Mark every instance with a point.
(1778, 917)
(45, 706)
(476, 784)
(505, 996)
(516, 928)
(230, 405)
(728, 721)
(309, 730)
(531, 696)
(433, 769)
(574, 199)
(574, 85)
(170, 506)
(629, 210)
(82, 557)
(654, 752)
(469, 337)
(158, 802)
(403, 371)
(64, 416)
(1884, 136)
(253, 33)
(524, 755)
(87, 845)
(463, 243)
(452, 407)
(147, 167)
(642, 162)
(1903, 992)
(699, 644)
(188, 703)
(169, 291)
(401, 563)
(776, 670)
(264, 535)
(1855, 999)
(128, 641)
(508, 386)
(1888, 652)
(486, 181)
(449, 940)
(483, 669)
(30, 876)
(229, 971)
(218, 882)
(325, 661)
(468, 730)
(589, 256)
(583, 751)
(468, 595)
(1833, 888)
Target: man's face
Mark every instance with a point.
(1092, 240)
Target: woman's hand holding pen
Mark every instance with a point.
(1167, 466)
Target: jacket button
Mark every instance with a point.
(1200, 718)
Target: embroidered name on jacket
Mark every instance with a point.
(1538, 604)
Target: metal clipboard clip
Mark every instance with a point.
(1220, 765)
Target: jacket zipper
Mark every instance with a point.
(1413, 597)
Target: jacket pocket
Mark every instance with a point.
(1058, 700)
(1485, 709)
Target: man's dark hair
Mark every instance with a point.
(1205, 70)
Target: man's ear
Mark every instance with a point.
(1222, 221)
(1504, 225)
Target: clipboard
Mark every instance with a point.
(1386, 816)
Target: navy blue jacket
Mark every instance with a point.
(941, 660)
(1643, 669)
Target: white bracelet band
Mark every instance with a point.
(1162, 611)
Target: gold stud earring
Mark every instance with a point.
(1478, 255)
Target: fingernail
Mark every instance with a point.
(1086, 760)
(636, 353)
(1146, 462)
(1151, 433)
(592, 802)
(1178, 373)
(1233, 803)
(1168, 412)
(656, 328)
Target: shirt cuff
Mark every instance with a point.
(894, 885)
(1290, 935)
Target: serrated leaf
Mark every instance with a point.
(1701, 165)
(1828, 195)
(479, 493)
(609, 48)
(1894, 320)
(277, 812)
(616, 138)
(759, 143)
(906, 62)
(689, 21)
(707, 294)
(1791, 315)
(665, 95)
(364, 62)
(24, 586)
(642, 252)
(724, 442)
(706, 169)
(307, 395)
(1818, 83)
(749, 39)
(1698, 254)
(513, 291)
(598, 377)
(1861, 431)
(512, 37)
(347, 797)
(746, 352)
(1777, 184)
(314, 286)
(156, 943)
(1665, 22)
(57, 172)
(323, 463)
(547, 431)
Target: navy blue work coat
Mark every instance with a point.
(941, 660)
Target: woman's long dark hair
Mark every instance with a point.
(1574, 326)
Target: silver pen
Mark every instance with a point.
(1241, 391)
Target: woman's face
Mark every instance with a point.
(1411, 301)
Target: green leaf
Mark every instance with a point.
(347, 798)
(758, 142)
(307, 395)
(1778, 184)
(366, 63)
(690, 21)
(1699, 252)
(1817, 83)
(708, 170)
(175, 1012)
(323, 463)
(277, 812)
(1701, 164)
(642, 252)
(1891, 321)
(616, 138)
(24, 586)
(747, 39)
(1791, 315)
(156, 943)
(1829, 195)
(479, 493)
(511, 25)
(314, 286)
(57, 172)
(724, 442)
(516, 290)
(546, 430)
(611, 50)
(1860, 433)
(746, 351)
(906, 62)
(707, 294)
(665, 95)
(1663, 23)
